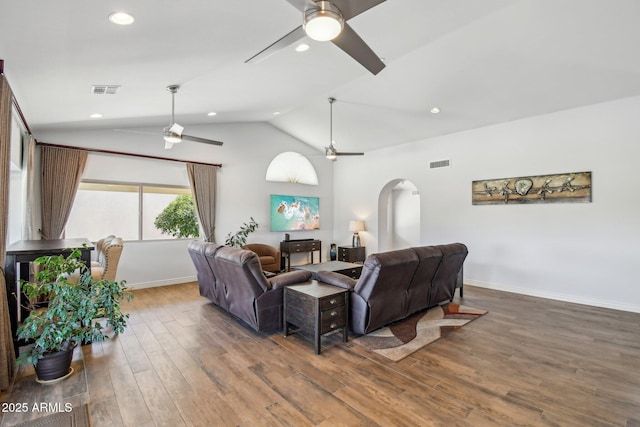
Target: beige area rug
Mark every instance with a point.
(406, 336)
(78, 417)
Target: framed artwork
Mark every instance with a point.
(291, 213)
(558, 188)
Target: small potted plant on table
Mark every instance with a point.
(73, 303)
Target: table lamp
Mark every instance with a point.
(356, 226)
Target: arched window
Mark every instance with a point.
(292, 167)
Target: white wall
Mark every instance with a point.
(581, 252)
(242, 191)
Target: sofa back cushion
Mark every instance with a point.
(444, 282)
(419, 289)
(206, 278)
(383, 284)
(239, 273)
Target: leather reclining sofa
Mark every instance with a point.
(233, 279)
(396, 284)
(392, 286)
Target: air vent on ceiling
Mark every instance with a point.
(105, 89)
(440, 164)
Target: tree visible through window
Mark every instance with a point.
(123, 209)
(179, 219)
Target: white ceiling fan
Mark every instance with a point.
(330, 152)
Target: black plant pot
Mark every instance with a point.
(54, 365)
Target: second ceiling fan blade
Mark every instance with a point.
(351, 8)
(285, 41)
(340, 153)
(202, 140)
(351, 43)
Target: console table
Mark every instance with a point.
(288, 247)
(20, 254)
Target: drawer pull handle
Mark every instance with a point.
(334, 313)
(333, 301)
(334, 325)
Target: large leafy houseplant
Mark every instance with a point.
(73, 303)
(239, 238)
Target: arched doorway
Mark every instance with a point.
(398, 215)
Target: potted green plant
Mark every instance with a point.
(239, 238)
(73, 302)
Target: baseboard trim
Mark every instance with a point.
(158, 283)
(555, 296)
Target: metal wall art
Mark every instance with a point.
(566, 187)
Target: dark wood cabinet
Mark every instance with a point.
(317, 308)
(288, 247)
(351, 254)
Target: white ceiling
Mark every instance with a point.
(480, 62)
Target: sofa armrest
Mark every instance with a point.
(336, 279)
(289, 278)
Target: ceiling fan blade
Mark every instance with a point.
(285, 41)
(351, 43)
(302, 5)
(202, 140)
(340, 153)
(137, 131)
(350, 8)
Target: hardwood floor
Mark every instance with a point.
(183, 361)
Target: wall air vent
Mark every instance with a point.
(105, 89)
(440, 164)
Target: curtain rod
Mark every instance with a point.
(120, 153)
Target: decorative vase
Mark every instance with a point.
(54, 365)
(333, 252)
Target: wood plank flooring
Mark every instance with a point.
(183, 361)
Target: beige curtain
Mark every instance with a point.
(203, 187)
(61, 172)
(7, 354)
(30, 229)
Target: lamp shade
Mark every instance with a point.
(356, 225)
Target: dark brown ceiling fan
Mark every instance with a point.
(327, 20)
(330, 152)
(173, 133)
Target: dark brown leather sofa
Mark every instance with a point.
(232, 279)
(396, 284)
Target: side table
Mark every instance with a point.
(351, 254)
(316, 307)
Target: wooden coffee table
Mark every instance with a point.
(347, 268)
(318, 308)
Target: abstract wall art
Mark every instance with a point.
(558, 188)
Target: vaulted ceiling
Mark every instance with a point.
(479, 62)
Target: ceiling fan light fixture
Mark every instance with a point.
(330, 153)
(324, 23)
(172, 138)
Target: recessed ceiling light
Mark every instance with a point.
(95, 115)
(275, 113)
(121, 18)
(302, 47)
(435, 110)
(213, 113)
